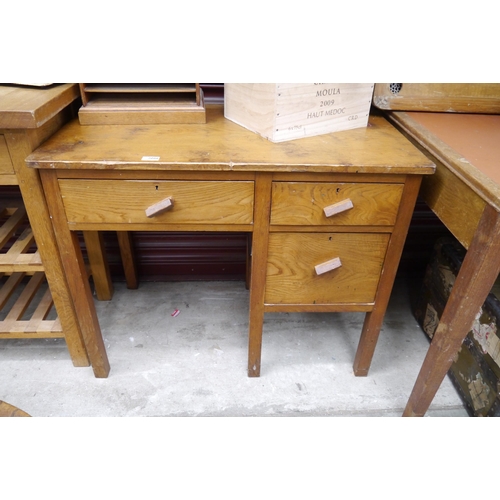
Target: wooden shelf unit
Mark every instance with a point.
(25, 299)
(141, 103)
(34, 294)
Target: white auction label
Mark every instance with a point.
(150, 158)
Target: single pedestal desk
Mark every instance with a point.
(465, 194)
(328, 215)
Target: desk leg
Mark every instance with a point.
(474, 281)
(74, 268)
(374, 319)
(99, 267)
(128, 258)
(258, 271)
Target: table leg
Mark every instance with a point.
(99, 267)
(74, 268)
(373, 320)
(474, 281)
(258, 271)
(128, 258)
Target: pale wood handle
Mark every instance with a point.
(329, 265)
(159, 207)
(339, 207)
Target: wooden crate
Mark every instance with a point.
(285, 111)
(137, 104)
(438, 97)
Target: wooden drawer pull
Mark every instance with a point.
(329, 265)
(339, 207)
(159, 207)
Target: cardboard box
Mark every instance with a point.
(285, 111)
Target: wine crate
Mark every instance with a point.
(138, 104)
(285, 111)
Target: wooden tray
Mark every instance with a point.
(137, 104)
(440, 97)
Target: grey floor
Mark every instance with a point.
(194, 363)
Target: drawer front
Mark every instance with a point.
(293, 257)
(126, 201)
(303, 203)
(6, 166)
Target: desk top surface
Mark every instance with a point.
(221, 144)
(27, 107)
(468, 144)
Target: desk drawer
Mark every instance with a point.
(292, 277)
(126, 201)
(6, 166)
(303, 203)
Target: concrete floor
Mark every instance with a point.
(194, 363)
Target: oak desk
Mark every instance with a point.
(28, 116)
(220, 177)
(465, 194)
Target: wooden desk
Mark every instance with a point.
(28, 117)
(465, 195)
(221, 177)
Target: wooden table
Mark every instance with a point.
(28, 116)
(328, 215)
(465, 195)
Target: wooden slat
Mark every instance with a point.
(22, 243)
(9, 227)
(23, 262)
(17, 330)
(16, 258)
(138, 87)
(24, 300)
(36, 326)
(41, 312)
(8, 288)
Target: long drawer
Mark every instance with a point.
(324, 268)
(323, 204)
(135, 201)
